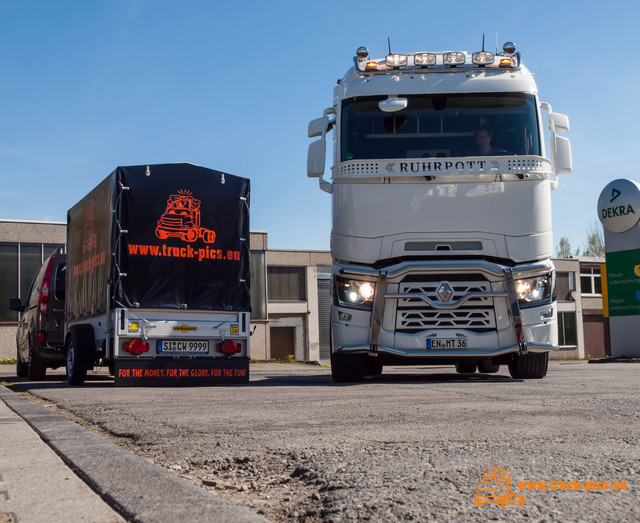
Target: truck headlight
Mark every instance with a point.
(352, 293)
(532, 291)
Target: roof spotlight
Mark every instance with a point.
(362, 52)
(509, 48)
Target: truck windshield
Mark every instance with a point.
(441, 125)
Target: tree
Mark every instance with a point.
(594, 245)
(563, 250)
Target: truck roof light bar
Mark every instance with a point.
(449, 61)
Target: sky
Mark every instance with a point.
(88, 86)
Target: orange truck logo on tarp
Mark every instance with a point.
(496, 489)
(181, 219)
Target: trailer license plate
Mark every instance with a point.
(183, 346)
(446, 343)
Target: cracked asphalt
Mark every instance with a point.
(410, 445)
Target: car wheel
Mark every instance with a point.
(531, 366)
(347, 367)
(21, 368)
(76, 372)
(36, 369)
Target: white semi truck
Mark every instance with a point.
(441, 200)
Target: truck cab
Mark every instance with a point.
(441, 204)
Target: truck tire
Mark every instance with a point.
(486, 366)
(36, 369)
(466, 366)
(347, 368)
(373, 366)
(21, 368)
(532, 366)
(79, 352)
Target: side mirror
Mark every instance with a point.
(315, 158)
(558, 122)
(15, 304)
(561, 154)
(318, 126)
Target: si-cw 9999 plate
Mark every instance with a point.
(201, 346)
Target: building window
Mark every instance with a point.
(567, 329)
(565, 283)
(591, 281)
(286, 283)
(258, 286)
(19, 263)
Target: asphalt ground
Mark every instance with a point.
(413, 444)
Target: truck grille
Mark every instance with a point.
(414, 314)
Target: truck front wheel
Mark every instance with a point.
(348, 367)
(531, 366)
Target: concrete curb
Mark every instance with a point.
(137, 489)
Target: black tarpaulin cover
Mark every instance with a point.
(180, 238)
(89, 247)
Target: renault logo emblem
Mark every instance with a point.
(445, 292)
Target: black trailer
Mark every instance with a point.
(158, 277)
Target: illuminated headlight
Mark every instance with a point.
(371, 66)
(354, 292)
(453, 58)
(424, 59)
(533, 290)
(396, 60)
(483, 58)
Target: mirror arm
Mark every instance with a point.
(325, 185)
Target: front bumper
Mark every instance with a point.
(511, 330)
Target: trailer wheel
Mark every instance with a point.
(532, 366)
(80, 347)
(486, 366)
(347, 368)
(21, 368)
(36, 369)
(465, 366)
